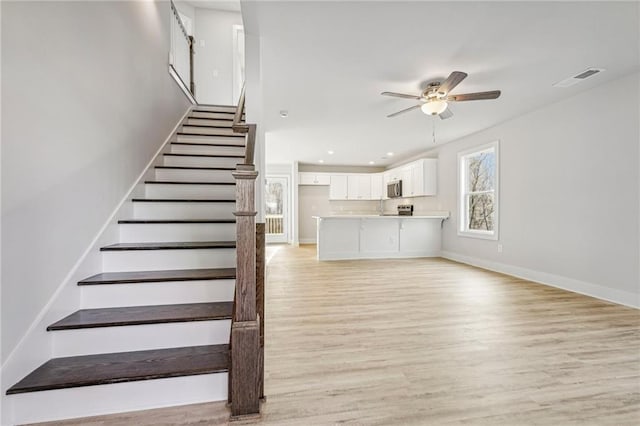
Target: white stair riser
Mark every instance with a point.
(202, 149)
(217, 123)
(151, 260)
(216, 108)
(185, 191)
(210, 137)
(117, 398)
(207, 130)
(157, 293)
(217, 115)
(147, 232)
(139, 337)
(186, 161)
(183, 210)
(194, 175)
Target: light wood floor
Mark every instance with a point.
(430, 342)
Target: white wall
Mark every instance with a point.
(214, 28)
(569, 202)
(86, 102)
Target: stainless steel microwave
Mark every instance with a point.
(394, 189)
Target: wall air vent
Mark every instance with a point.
(578, 78)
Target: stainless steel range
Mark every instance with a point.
(405, 210)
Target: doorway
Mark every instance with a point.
(277, 209)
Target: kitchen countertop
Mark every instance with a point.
(426, 215)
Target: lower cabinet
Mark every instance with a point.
(418, 237)
(378, 237)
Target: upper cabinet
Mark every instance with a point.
(359, 187)
(419, 178)
(338, 187)
(377, 187)
(310, 178)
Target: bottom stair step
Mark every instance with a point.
(88, 370)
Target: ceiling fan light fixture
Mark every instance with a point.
(434, 107)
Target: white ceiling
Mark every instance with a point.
(327, 62)
(230, 6)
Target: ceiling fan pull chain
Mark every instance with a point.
(433, 120)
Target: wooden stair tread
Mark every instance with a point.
(179, 182)
(226, 145)
(195, 168)
(229, 116)
(160, 276)
(138, 315)
(173, 221)
(170, 245)
(180, 200)
(88, 370)
(204, 155)
(212, 126)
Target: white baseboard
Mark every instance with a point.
(576, 286)
(307, 241)
(36, 345)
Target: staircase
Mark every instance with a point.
(155, 325)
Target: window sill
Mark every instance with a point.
(479, 235)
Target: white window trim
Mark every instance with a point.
(462, 214)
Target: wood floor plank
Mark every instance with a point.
(431, 342)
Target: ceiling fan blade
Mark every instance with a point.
(452, 81)
(493, 94)
(446, 114)
(403, 111)
(401, 95)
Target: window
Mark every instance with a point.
(478, 197)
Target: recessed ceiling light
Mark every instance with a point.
(389, 154)
(320, 161)
(372, 162)
(284, 113)
(330, 152)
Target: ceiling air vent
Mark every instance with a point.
(578, 78)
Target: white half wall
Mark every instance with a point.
(86, 102)
(213, 69)
(569, 200)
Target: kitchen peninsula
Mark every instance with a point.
(379, 236)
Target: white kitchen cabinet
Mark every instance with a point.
(376, 186)
(430, 176)
(420, 237)
(359, 187)
(419, 178)
(407, 180)
(378, 237)
(338, 187)
(309, 178)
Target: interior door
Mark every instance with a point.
(276, 209)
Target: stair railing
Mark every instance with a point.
(182, 52)
(246, 345)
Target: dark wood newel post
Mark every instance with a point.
(245, 330)
(260, 278)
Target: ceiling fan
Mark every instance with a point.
(435, 98)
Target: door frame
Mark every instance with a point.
(286, 210)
